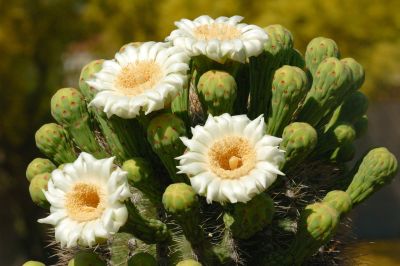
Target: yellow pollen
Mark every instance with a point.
(216, 31)
(85, 202)
(136, 78)
(231, 157)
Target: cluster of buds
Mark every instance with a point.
(192, 151)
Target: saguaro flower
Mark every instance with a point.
(86, 199)
(230, 158)
(145, 77)
(219, 39)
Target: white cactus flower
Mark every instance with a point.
(143, 77)
(219, 39)
(230, 158)
(87, 201)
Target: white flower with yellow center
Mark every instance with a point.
(230, 158)
(87, 201)
(140, 78)
(219, 39)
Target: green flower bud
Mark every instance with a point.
(189, 263)
(39, 166)
(36, 187)
(217, 92)
(339, 135)
(357, 71)
(142, 259)
(163, 133)
(339, 200)
(279, 38)
(86, 258)
(377, 168)
(288, 89)
(87, 73)
(332, 82)
(318, 50)
(246, 219)
(68, 108)
(52, 140)
(298, 140)
(33, 263)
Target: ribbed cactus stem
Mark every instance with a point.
(39, 166)
(298, 141)
(53, 141)
(163, 133)
(318, 50)
(217, 92)
(377, 168)
(246, 219)
(289, 87)
(119, 249)
(277, 52)
(180, 200)
(68, 108)
(148, 230)
(141, 176)
(332, 82)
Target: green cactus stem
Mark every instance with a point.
(188, 263)
(377, 168)
(68, 108)
(36, 187)
(119, 249)
(332, 82)
(142, 259)
(39, 166)
(361, 126)
(351, 110)
(180, 200)
(148, 230)
(298, 141)
(318, 50)
(278, 51)
(217, 92)
(141, 176)
(339, 200)
(33, 263)
(289, 87)
(86, 258)
(53, 141)
(246, 219)
(339, 135)
(344, 153)
(163, 133)
(318, 222)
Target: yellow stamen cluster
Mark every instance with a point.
(136, 78)
(216, 31)
(231, 157)
(84, 202)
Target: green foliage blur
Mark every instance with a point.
(38, 38)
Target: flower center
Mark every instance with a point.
(231, 157)
(218, 31)
(84, 202)
(136, 78)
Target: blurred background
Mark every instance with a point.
(45, 43)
